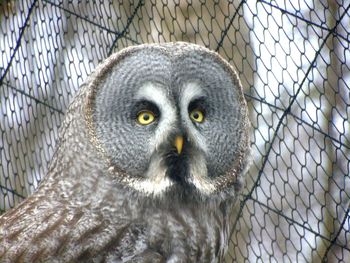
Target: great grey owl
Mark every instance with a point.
(149, 161)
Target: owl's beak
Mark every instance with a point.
(179, 142)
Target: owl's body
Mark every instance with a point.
(122, 186)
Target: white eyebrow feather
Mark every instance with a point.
(158, 95)
(154, 93)
(189, 93)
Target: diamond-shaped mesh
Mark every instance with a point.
(293, 59)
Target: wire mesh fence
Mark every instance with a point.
(293, 59)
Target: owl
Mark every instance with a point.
(149, 163)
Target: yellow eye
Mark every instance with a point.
(145, 117)
(197, 115)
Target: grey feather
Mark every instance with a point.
(116, 191)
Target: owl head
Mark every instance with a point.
(169, 119)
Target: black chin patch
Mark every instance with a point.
(178, 168)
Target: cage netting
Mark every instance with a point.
(292, 57)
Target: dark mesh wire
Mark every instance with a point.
(293, 59)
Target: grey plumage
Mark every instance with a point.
(117, 190)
